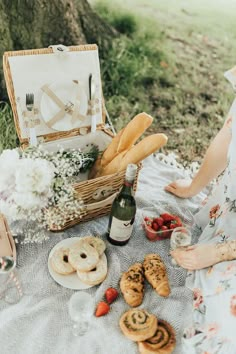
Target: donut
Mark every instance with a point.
(96, 275)
(97, 243)
(83, 256)
(60, 263)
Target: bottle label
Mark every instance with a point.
(121, 229)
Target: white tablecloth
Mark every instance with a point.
(40, 323)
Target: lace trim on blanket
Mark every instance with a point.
(188, 169)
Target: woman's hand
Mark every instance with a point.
(195, 257)
(181, 188)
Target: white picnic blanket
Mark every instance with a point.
(40, 323)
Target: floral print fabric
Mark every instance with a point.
(214, 288)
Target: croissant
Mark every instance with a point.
(156, 275)
(132, 285)
(163, 341)
(138, 325)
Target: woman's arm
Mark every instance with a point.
(215, 161)
(204, 255)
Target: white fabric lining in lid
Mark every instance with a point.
(31, 72)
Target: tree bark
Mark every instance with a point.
(28, 24)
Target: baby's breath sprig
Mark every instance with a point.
(36, 186)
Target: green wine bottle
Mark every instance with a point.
(123, 211)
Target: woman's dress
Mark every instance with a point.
(214, 288)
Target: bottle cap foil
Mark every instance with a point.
(131, 172)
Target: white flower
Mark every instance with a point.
(28, 200)
(34, 176)
(9, 160)
(37, 186)
(9, 209)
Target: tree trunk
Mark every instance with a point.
(28, 24)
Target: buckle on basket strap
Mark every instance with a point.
(59, 49)
(102, 193)
(101, 203)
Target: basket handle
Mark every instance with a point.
(102, 203)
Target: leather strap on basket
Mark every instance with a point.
(64, 108)
(29, 118)
(76, 115)
(101, 204)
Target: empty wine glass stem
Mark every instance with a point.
(80, 328)
(15, 280)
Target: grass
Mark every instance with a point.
(168, 61)
(8, 137)
(183, 89)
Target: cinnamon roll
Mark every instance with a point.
(138, 325)
(155, 273)
(132, 285)
(163, 341)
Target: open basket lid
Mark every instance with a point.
(59, 77)
(7, 243)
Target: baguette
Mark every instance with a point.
(136, 154)
(111, 150)
(143, 149)
(125, 139)
(134, 129)
(113, 166)
(96, 168)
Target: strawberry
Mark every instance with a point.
(173, 226)
(147, 218)
(155, 226)
(111, 294)
(150, 233)
(166, 232)
(164, 228)
(102, 309)
(167, 217)
(159, 221)
(177, 221)
(148, 221)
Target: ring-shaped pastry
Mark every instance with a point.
(83, 256)
(60, 262)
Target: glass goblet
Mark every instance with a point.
(180, 237)
(81, 308)
(10, 286)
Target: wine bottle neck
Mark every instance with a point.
(128, 183)
(127, 187)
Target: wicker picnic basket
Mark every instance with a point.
(90, 191)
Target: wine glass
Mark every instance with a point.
(81, 308)
(10, 286)
(180, 237)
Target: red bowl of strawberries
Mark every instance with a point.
(159, 222)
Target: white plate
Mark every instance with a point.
(67, 92)
(71, 281)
